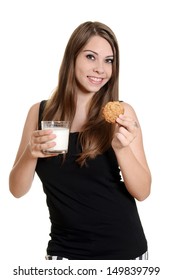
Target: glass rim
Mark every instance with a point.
(55, 121)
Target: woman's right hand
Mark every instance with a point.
(40, 141)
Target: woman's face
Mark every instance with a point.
(93, 67)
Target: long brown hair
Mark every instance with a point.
(96, 134)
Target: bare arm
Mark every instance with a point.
(128, 146)
(30, 148)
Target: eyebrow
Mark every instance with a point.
(97, 53)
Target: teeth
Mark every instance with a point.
(96, 79)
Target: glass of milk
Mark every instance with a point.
(61, 129)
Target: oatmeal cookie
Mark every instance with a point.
(112, 110)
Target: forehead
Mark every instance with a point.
(99, 45)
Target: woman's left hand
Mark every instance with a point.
(126, 129)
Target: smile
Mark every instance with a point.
(95, 79)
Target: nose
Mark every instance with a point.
(98, 68)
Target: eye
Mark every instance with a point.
(90, 56)
(109, 60)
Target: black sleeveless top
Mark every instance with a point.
(91, 212)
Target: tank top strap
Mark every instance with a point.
(41, 109)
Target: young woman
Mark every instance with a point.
(91, 191)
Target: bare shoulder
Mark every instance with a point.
(34, 109)
(31, 124)
(128, 109)
(32, 116)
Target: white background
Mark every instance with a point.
(33, 35)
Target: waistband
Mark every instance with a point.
(49, 257)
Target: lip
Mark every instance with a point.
(95, 80)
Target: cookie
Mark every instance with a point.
(112, 110)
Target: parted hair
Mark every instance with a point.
(96, 135)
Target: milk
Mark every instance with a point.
(62, 139)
